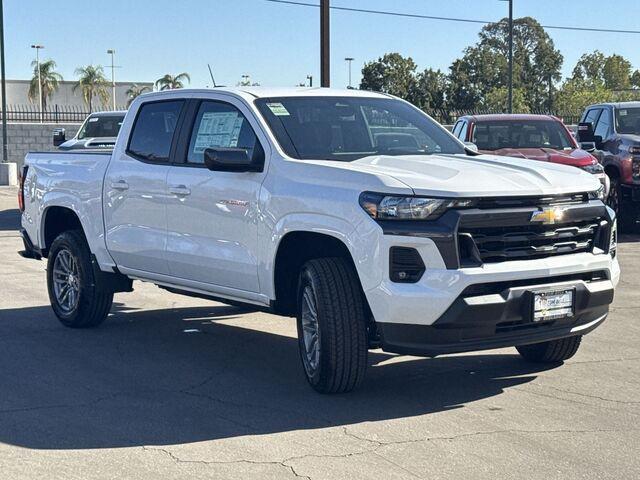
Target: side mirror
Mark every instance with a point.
(588, 146)
(234, 159)
(59, 137)
(585, 132)
(471, 146)
(597, 139)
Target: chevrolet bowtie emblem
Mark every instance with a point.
(548, 215)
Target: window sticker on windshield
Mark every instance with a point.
(94, 119)
(278, 109)
(218, 129)
(623, 113)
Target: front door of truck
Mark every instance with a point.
(212, 217)
(135, 190)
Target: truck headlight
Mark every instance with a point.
(613, 241)
(594, 168)
(395, 207)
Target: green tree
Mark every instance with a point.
(589, 68)
(392, 74)
(596, 69)
(617, 72)
(135, 91)
(50, 81)
(170, 82)
(92, 83)
(635, 79)
(484, 66)
(429, 89)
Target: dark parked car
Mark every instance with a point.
(612, 130)
(98, 131)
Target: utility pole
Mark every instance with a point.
(5, 151)
(113, 78)
(38, 48)
(325, 76)
(349, 60)
(510, 56)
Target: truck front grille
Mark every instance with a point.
(497, 244)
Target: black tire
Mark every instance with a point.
(551, 352)
(341, 357)
(626, 214)
(91, 303)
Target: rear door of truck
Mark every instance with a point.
(135, 189)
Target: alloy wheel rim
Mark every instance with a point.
(66, 282)
(310, 330)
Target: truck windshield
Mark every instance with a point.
(101, 126)
(628, 120)
(499, 134)
(349, 128)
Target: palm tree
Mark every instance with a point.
(92, 83)
(50, 81)
(134, 91)
(169, 82)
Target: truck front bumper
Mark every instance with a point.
(499, 314)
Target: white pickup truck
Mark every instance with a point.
(353, 211)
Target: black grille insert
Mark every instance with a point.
(498, 244)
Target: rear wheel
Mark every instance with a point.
(76, 297)
(332, 333)
(551, 352)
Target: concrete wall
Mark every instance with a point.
(65, 96)
(29, 137)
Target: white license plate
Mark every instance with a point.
(552, 305)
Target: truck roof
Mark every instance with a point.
(616, 105)
(250, 93)
(508, 116)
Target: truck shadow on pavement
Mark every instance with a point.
(182, 375)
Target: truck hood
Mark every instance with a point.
(574, 157)
(630, 138)
(474, 176)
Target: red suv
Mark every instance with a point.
(537, 137)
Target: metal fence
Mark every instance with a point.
(53, 114)
(448, 117)
(75, 114)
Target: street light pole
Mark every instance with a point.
(349, 60)
(113, 78)
(510, 56)
(325, 77)
(38, 48)
(5, 150)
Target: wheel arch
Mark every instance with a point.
(57, 219)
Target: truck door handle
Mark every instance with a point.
(120, 185)
(180, 190)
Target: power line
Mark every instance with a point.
(448, 19)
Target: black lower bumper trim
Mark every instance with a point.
(498, 320)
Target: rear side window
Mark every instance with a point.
(219, 125)
(153, 130)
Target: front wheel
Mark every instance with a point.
(76, 297)
(550, 352)
(332, 332)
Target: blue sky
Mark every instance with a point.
(278, 44)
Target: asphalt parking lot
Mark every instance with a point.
(175, 387)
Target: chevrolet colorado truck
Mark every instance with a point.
(612, 132)
(537, 137)
(352, 211)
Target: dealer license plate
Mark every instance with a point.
(552, 304)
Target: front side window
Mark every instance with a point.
(496, 135)
(349, 128)
(219, 125)
(463, 131)
(604, 124)
(628, 120)
(101, 126)
(592, 116)
(153, 130)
